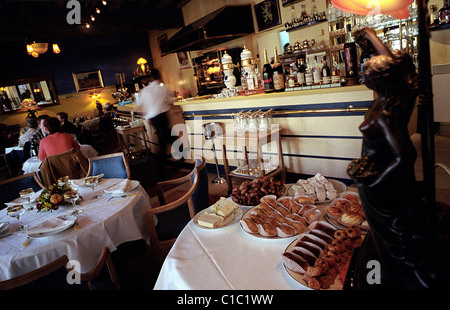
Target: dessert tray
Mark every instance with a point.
(319, 188)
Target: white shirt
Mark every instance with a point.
(154, 99)
(27, 136)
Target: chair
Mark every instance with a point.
(26, 280)
(111, 165)
(172, 217)
(200, 197)
(54, 275)
(10, 188)
(104, 260)
(70, 163)
(4, 165)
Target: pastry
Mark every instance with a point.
(334, 212)
(313, 271)
(268, 209)
(294, 206)
(267, 230)
(338, 234)
(285, 230)
(260, 212)
(320, 234)
(315, 240)
(305, 254)
(344, 204)
(317, 251)
(280, 218)
(285, 202)
(210, 220)
(299, 226)
(325, 227)
(271, 200)
(282, 210)
(249, 225)
(294, 262)
(350, 219)
(312, 215)
(305, 208)
(304, 199)
(353, 232)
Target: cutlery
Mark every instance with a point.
(121, 196)
(26, 242)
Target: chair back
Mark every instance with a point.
(200, 198)
(170, 216)
(9, 189)
(91, 276)
(111, 165)
(70, 163)
(29, 278)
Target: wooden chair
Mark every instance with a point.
(35, 275)
(104, 260)
(172, 217)
(59, 281)
(111, 165)
(10, 188)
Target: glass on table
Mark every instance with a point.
(72, 197)
(62, 180)
(27, 193)
(16, 212)
(92, 183)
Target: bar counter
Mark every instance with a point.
(320, 126)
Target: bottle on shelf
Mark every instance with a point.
(331, 12)
(314, 13)
(335, 72)
(326, 72)
(308, 74)
(304, 15)
(317, 72)
(301, 71)
(278, 73)
(350, 59)
(243, 79)
(267, 74)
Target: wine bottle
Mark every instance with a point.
(350, 59)
(278, 74)
(317, 72)
(300, 71)
(267, 74)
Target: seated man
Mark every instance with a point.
(56, 142)
(32, 125)
(66, 125)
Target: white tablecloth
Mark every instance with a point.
(101, 224)
(224, 259)
(32, 164)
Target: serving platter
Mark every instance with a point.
(338, 185)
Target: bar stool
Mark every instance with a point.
(209, 130)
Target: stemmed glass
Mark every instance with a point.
(92, 183)
(27, 194)
(72, 196)
(62, 180)
(16, 211)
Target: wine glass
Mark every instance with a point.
(16, 211)
(72, 196)
(92, 183)
(27, 194)
(62, 180)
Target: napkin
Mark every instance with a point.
(119, 188)
(49, 225)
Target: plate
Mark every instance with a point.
(338, 185)
(3, 226)
(131, 186)
(335, 223)
(257, 235)
(236, 217)
(52, 226)
(245, 206)
(337, 285)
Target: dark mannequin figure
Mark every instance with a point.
(402, 227)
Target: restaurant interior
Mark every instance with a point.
(303, 147)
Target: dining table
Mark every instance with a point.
(105, 219)
(228, 258)
(33, 163)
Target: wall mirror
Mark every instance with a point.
(30, 93)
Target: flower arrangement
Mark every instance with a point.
(28, 103)
(52, 197)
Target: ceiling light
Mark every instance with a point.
(397, 9)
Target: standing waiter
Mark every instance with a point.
(155, 102)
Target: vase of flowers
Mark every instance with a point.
(52, 197)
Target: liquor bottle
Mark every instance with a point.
(267, 74)
(350, 59)
(278, 74)
(304, 16)
(335, 72)
(243, 79)
(326, 72)
(314, 13)
(317, 72)
(301, 71)
(308, 74)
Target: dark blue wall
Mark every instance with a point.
(111, 54)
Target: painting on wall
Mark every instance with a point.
(162, 43)
(267, 14)
(87, 80)
(183, 60)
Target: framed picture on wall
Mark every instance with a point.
(183, 60)
(267, 14)
(88, 80)
(162, 43)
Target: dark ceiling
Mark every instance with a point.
(22, 20)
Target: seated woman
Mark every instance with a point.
(56, 142)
